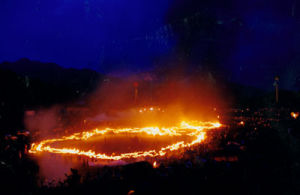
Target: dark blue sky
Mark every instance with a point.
(78, 33)
(250, 40)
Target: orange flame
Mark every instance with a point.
(193, 129)
(295, 115)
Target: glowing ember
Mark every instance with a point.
(193, 129)
(295, 115)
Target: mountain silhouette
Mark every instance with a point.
(77, 79)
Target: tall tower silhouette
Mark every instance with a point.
(276, 84)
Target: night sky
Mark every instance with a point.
(250, 41)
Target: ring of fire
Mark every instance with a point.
(195, 129)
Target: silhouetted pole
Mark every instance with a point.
(149, 78)
(276, 83)
(136, 91)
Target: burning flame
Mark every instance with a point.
(193, 129)
(295, 115)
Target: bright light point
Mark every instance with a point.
(295, 115)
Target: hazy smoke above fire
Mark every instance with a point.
(177, 93)
(174, 96)
(43, 121)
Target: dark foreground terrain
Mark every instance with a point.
(258, 156)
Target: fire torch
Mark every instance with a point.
(275, 84)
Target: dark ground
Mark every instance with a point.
(239, 159)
